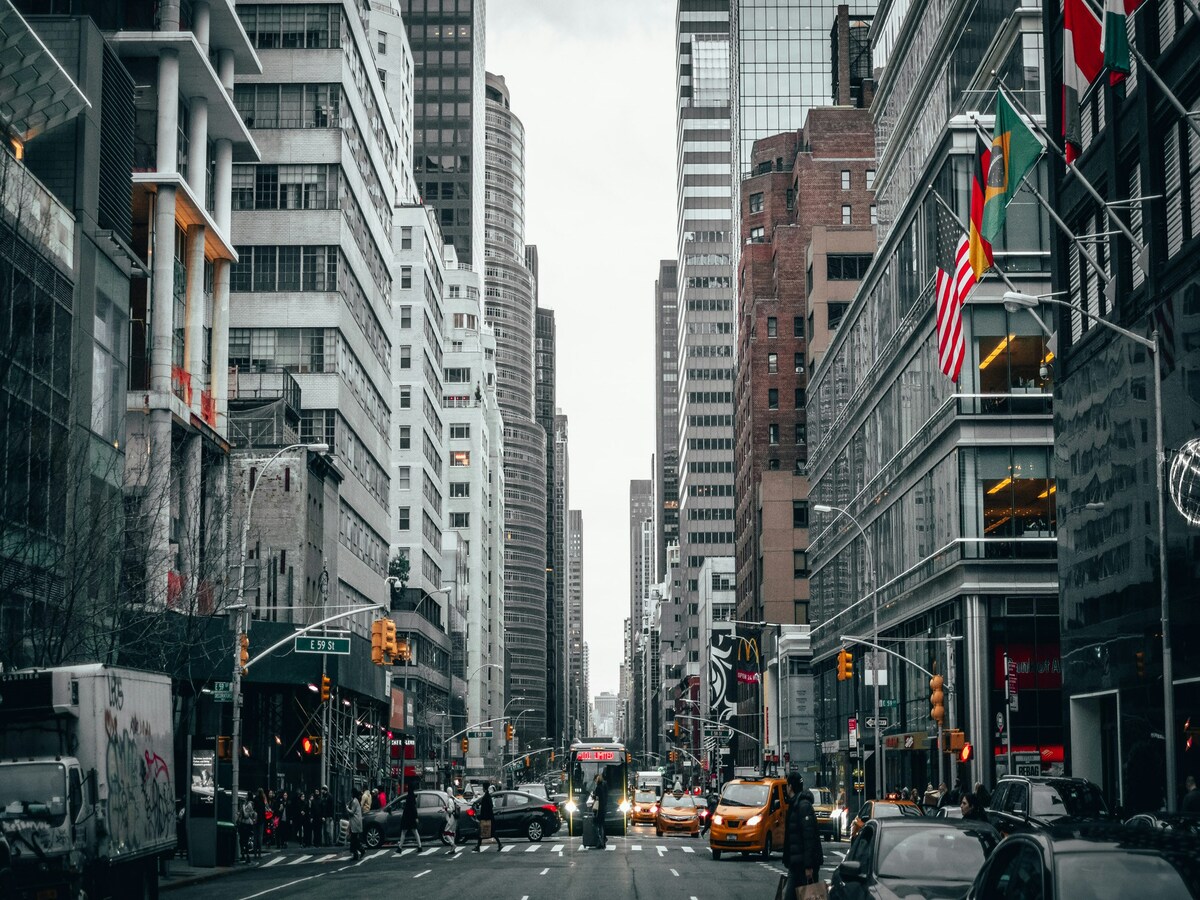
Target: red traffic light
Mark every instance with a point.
(964, 755)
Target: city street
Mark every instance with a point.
(639, 865)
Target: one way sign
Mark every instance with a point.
(872, 721)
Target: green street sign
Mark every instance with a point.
(338, 646)
(222, 692)
(480, 733)
(888, 704)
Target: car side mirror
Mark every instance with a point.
(851, 870)
(775, 804)
(1018, 811)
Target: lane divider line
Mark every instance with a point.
(422, 874)
(673, 872)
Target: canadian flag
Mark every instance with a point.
(1083, 59)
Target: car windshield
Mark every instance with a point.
(670, 801)
(736, 794)
(645, 797)
(1125, 873)
(822, 797)
(1068, 799)
(894, 810)
(940, 853)
(34, 790)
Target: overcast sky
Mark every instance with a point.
(593, 82)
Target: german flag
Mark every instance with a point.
(980, 252)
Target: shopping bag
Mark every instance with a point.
(781, 887)
(819, 890)
(485, 829)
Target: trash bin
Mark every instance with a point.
(227, 844)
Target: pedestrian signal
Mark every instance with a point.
(311, 746)
(964, 755)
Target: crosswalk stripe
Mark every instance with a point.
(408, 851)
(327, 857)
(506, 848)
(272, 861)
(688, 850)
(377, 853)
(300, 859)
(613, 847)
(420, 874)
(532, 848)
(430, 850)
(636, 847)
(557, 848)
(673, 872)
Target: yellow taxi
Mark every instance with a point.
(823, 807)
(645, 808)
(749, 817)
(678, 812)
(889, 807)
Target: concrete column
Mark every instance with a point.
(219, 377)
(168, 15)
(156, 505)
(167, 137)
(189, 515)
(162, 292)
(976, 695)
(201, 16)
(223, 184)
(193, 329)
(198, 146)
(225, 68)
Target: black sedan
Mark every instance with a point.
(910, 857)
(383, 825)
(1092, 860)
(1026, 803)
(517, 814)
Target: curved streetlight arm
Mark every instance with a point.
(1016, 300)
(851, 639)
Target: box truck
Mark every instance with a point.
(87, 793)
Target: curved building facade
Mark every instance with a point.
(510, 308)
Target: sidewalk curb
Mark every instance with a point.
(187, 880)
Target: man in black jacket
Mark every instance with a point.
(802, 853)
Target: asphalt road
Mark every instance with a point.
(639, 866)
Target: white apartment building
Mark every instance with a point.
(475, 500)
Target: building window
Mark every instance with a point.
(406, 238)
(460, 459)
(845, 179)
(847, 266)
(798, 326)
(773, 464)
(1014, 498)
(758, 235)
(403, 519)
(836, 312)
(405, 440)
(874, 214)
(846, 214)
(459, 489)
(773, 433)
(772, 327)
(870, 179)
(800, 564)
(801, 398)
(799, 513)
(405, 357)
(460, 432)
(406, 276)
(460, 520)
(798, 362)
(772, 363)
(382, 43)
(406, 317)
(773, 398)
(756, 203)
(801, 434)
(791, 198)
(404, 395)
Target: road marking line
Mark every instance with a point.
(377, 853)
(300, 859)
(636, 847)
(327, 857)
(673, 872)
(543, 872)
(688, 850)
(406, 852)
(280, 887)
(272, 861)
(532, 848)
(507, 848)
(421, 874)
(430, 850)
(661, 849)
(557, 848)
(606, 847)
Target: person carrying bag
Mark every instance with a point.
(245, 823)
(802, 852)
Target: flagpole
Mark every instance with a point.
(1072, 168)
(1166, 91)
(1056, 218)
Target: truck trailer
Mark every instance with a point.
(87, 794)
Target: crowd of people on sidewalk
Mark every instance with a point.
(267, 818)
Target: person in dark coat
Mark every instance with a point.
(972, 807)
(260, 824)
(802, 852)
(486, 814)
(599, 804)
(408, 819)
(1191, 797)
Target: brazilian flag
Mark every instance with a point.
(1015, 148)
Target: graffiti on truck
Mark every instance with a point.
(141, 797)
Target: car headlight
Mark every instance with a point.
(717, 819)
(571, 807)
(753, 820)
(624, 807)
(654, 809)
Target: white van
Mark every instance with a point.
(651, 780)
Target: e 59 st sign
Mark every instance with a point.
(338, 646)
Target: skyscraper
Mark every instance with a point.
(666, 423)
(577, 662)
(560, 500)
(447, 42)
(544, 408)
(641, 568)
(509, 307)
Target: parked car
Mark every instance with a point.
(890, 808)
(1027, 803)
(913, 857)
(1092, 859)
(517, 814)
(383, 825)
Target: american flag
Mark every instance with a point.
(952, 284)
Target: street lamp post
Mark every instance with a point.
(873, 591)
(239, 605)
(1014, 300)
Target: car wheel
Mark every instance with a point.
(373, 837)
(716, 854)
(535, 830)
(768, 845)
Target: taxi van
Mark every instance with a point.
(749, 817)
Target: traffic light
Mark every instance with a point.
(311, 746)
(551, 756)
(466, 745)
(964, 755)
(937, 711)
(955, 740)
(672, 757)
(243, 651)
(508, 731)
(377, 642)
(845, 665)
(676, 728)
(1140, 657)
(324, 688)
(404, 650)
(390, 651)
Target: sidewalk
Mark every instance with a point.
(180, 874)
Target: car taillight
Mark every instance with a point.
(703, 813)
(550, 807)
